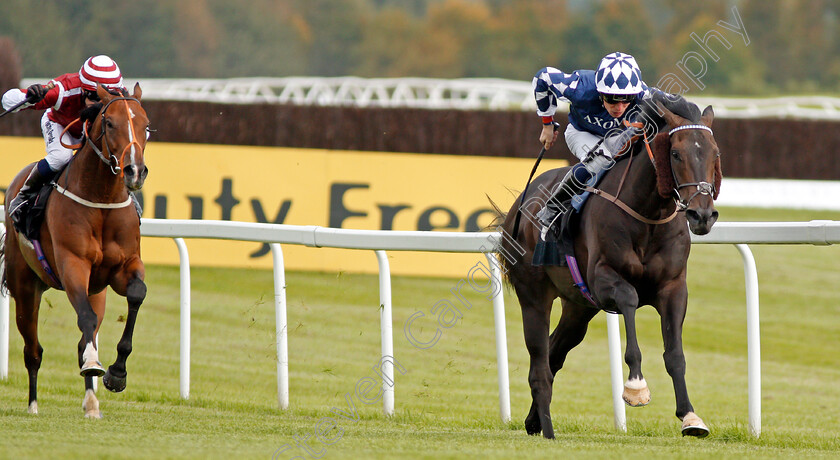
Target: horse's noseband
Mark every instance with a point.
(703, 188)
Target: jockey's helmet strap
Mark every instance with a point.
(680, 128)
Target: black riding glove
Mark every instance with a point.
(35, 93)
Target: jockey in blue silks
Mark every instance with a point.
(600, 101)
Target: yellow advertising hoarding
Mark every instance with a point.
(343, 189)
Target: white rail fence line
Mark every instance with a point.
(434, 93)
(739, 234)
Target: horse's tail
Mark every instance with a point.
(498, 224)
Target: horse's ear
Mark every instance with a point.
(671, 118)
(138, 93)
(103, 94)
(708, 116)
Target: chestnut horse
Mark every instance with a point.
(90, 239)
(625, 262)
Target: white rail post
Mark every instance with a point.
(386, 328)
(616, 378)
(753, 338)
(185, 318)
(4, 324)
(281, 326)
(501, 339)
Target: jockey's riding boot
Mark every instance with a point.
(31, 186)
(568, 187)
(571, 185)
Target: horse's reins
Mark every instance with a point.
(703, 188)
(112, 161)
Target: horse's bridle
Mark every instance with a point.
(703, 188)
(111, 160)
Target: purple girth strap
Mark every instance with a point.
(44, 264)
(578, 279)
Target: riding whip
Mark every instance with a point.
(48, 86)
(525, 192)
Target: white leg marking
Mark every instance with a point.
(33, 408)
(90, 353)
(91, 405)
(635, 384)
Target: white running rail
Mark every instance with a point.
(435, 93)
(738, 233)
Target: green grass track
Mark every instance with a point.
(447, 399)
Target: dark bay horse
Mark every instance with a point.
(90, 240)
(625, 262)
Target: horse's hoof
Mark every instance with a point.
(92, 369)
(113, 383)
(694, 426)
(93, 415)
(532, 430)
(636, 393)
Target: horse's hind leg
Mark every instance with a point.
(570, 331)
(27, 305)
(536, 312)
(90, 404)
(115, 378)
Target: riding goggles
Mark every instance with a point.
(618, 98)
(91, 96)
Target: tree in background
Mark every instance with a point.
(794, 44)
(10, 64)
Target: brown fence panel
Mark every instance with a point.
(753, 148)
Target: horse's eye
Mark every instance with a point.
(108, 123)
(675, 154)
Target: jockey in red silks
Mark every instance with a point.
(63, 99)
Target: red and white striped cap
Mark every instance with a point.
(100, 69)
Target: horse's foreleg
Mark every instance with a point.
(636, 392)
(75, 277)
(616, 293)
(672, 307)
(115, 378)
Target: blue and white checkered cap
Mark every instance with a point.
(618, 74)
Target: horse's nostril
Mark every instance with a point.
(129, 170)
(692, 215)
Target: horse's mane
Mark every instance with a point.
(90, 113)
(661, 144)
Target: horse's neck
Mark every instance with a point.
(639, 190)
(90, 178)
